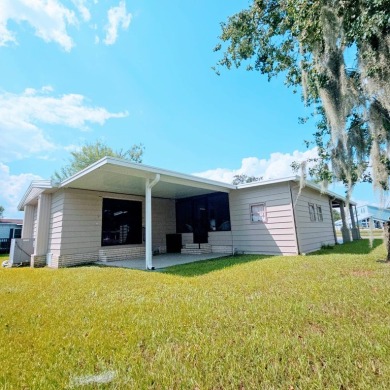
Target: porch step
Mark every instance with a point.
(191, 246)
(196, 249)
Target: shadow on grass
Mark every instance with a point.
(361, 247)
(206, 266)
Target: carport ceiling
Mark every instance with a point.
(117, 176)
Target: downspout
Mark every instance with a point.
(148, 220)
(295, 221)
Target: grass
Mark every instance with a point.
(4, 256)
(365, 233)
(308, 322)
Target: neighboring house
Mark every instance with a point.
(115, 209)
(9, 228)
(367, 214)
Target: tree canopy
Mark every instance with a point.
(92, 152)
(242, 179)
(1, 211)
(311, 42)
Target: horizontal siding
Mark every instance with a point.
(35, 222)
(163, 222)
(277, 234)
(312, 234)
(55, 228)
(82, 221)
(220, 238)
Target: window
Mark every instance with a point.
(320, 217)
(205, 213)
(121, 222)
(312, 212)
(258, 213)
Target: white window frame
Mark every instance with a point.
(320, 216)
(312, 212)
(260, 215)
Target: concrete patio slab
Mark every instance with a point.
(161, 261)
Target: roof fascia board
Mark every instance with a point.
(41, 184)
(146, 170)
(265, 182)
(295, 179)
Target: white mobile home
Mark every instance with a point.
(116, 210)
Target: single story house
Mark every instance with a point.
(366, 215)
(116, 209)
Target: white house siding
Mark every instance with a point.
(312, 234)
(79, 238)
(163, 222)
(56, 220)
(221, 242)
(35, 222)
(277, 234)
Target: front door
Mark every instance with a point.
(201, 221)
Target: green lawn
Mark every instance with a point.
(247, 322)
(366, 233)
(4, 256)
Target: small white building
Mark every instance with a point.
(116, 209)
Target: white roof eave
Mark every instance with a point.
(296, 179)
(35, 184)
(146, 171)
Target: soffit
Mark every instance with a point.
(128, 180)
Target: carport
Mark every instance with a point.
(162, 261)
(122, 177)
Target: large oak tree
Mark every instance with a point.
(309, 42)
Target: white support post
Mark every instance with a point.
(148, 225)
(38, 258)
(344, 228)
(148, 221)
(354, 230)
(357, 224)
(28, 222)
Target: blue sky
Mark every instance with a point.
(126, 72)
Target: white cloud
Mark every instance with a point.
(48, 18)
(23, 115)
(117, 18)
(83, 9)
(12, 189)
(51, 20)
(277, 166)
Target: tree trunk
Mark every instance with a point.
(386, 229)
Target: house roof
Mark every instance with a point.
(124, 177)
(296, 179)
(11, 221)
(375, 213)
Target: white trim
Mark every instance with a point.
(295, 179)
(148, 220)
(145, 169)
(42, 184)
